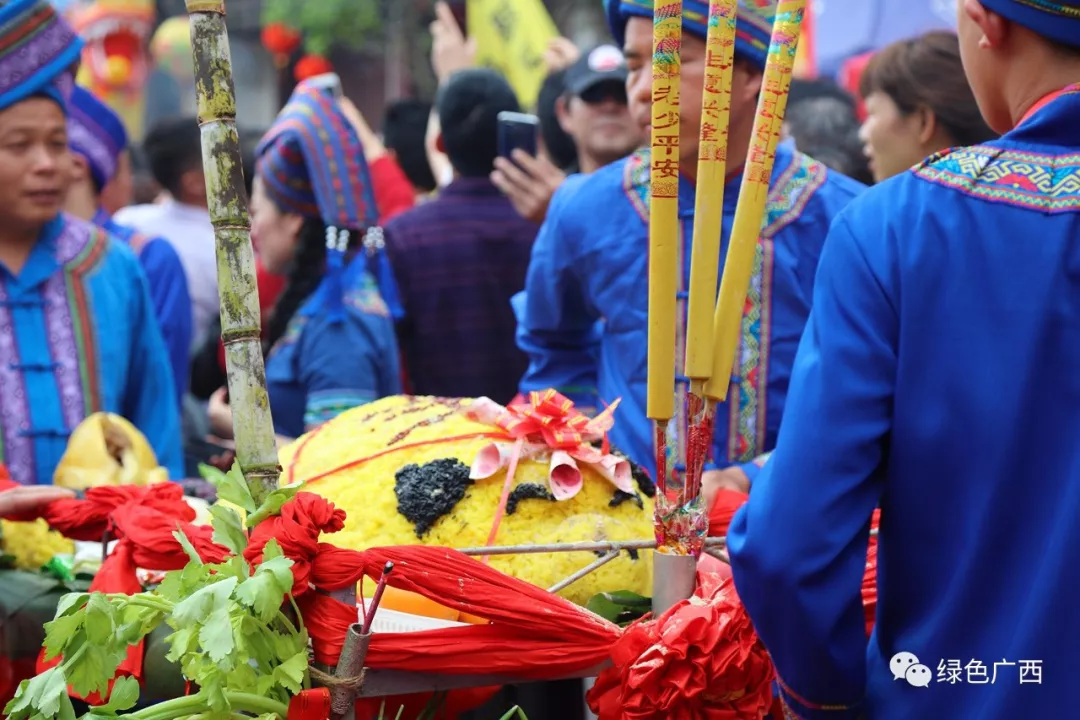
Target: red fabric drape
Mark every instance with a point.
(142, 520)
(533, 634)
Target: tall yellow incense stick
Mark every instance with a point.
(753, 194)
(708, 217)
(664, 221)
(711, 175)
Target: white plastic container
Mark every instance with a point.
(394, 621)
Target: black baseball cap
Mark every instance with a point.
(604, 64)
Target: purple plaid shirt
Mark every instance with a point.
(458, 259)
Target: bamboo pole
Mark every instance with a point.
(226, 197)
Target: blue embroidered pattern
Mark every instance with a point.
(1033, 181)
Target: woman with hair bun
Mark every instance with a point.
(329, 340)
(918, 102)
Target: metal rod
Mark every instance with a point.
(602, 546)
(386, 683)
(596, 564)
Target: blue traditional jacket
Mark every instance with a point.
(77, 336)
(168, 293)
(327, 363)
(583, 317)
(938, 378)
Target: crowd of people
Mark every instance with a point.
(917, 339)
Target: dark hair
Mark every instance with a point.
(468, 105)
(827, 129)
(303, 278)
(926, 72)
(404, 129)
(803, 89)
(173, 146)
(560, 146)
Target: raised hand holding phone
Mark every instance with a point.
(526, 178)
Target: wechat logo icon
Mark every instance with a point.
(905, 666)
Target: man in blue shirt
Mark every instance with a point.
(98, 140)
(937, 379)
(583, 317)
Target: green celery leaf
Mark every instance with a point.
(59, 633)
(290, 674)
(264, 592)
(216, 635)
(100, 620)
(231, 486)
(181, 643)
(67, 710)
(71, 603)
(186, 544)
(38, 695)
(197, 608)
(228, 529)
(244, 678)
(95, 668)
(124, 696)
(212, 683)
(272, 505)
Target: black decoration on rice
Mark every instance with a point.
(425, 493)
(620, 497)
(527, 491)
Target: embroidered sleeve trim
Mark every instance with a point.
(326, 405)
(1031, 181)
(797, 707)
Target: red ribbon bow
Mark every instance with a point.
(549, 415)
(552, 416)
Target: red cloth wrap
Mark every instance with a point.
(142, 520)
(700, 660)
(710, 652)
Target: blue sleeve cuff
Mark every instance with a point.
(753, 468)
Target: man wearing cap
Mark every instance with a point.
(938, 379)
(97, 139)
(77, 328)
(593, 112)
(583, 319)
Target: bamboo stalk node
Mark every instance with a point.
(240, 335)
(206, 6)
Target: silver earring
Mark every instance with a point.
(331, 237)
(374, 240)
(343, 240)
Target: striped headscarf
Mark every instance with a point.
(38, 52)
(96, 133)
(752, 31)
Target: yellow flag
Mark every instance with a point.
(511, 37)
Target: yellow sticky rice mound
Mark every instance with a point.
(105, 449)
(363, 450)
